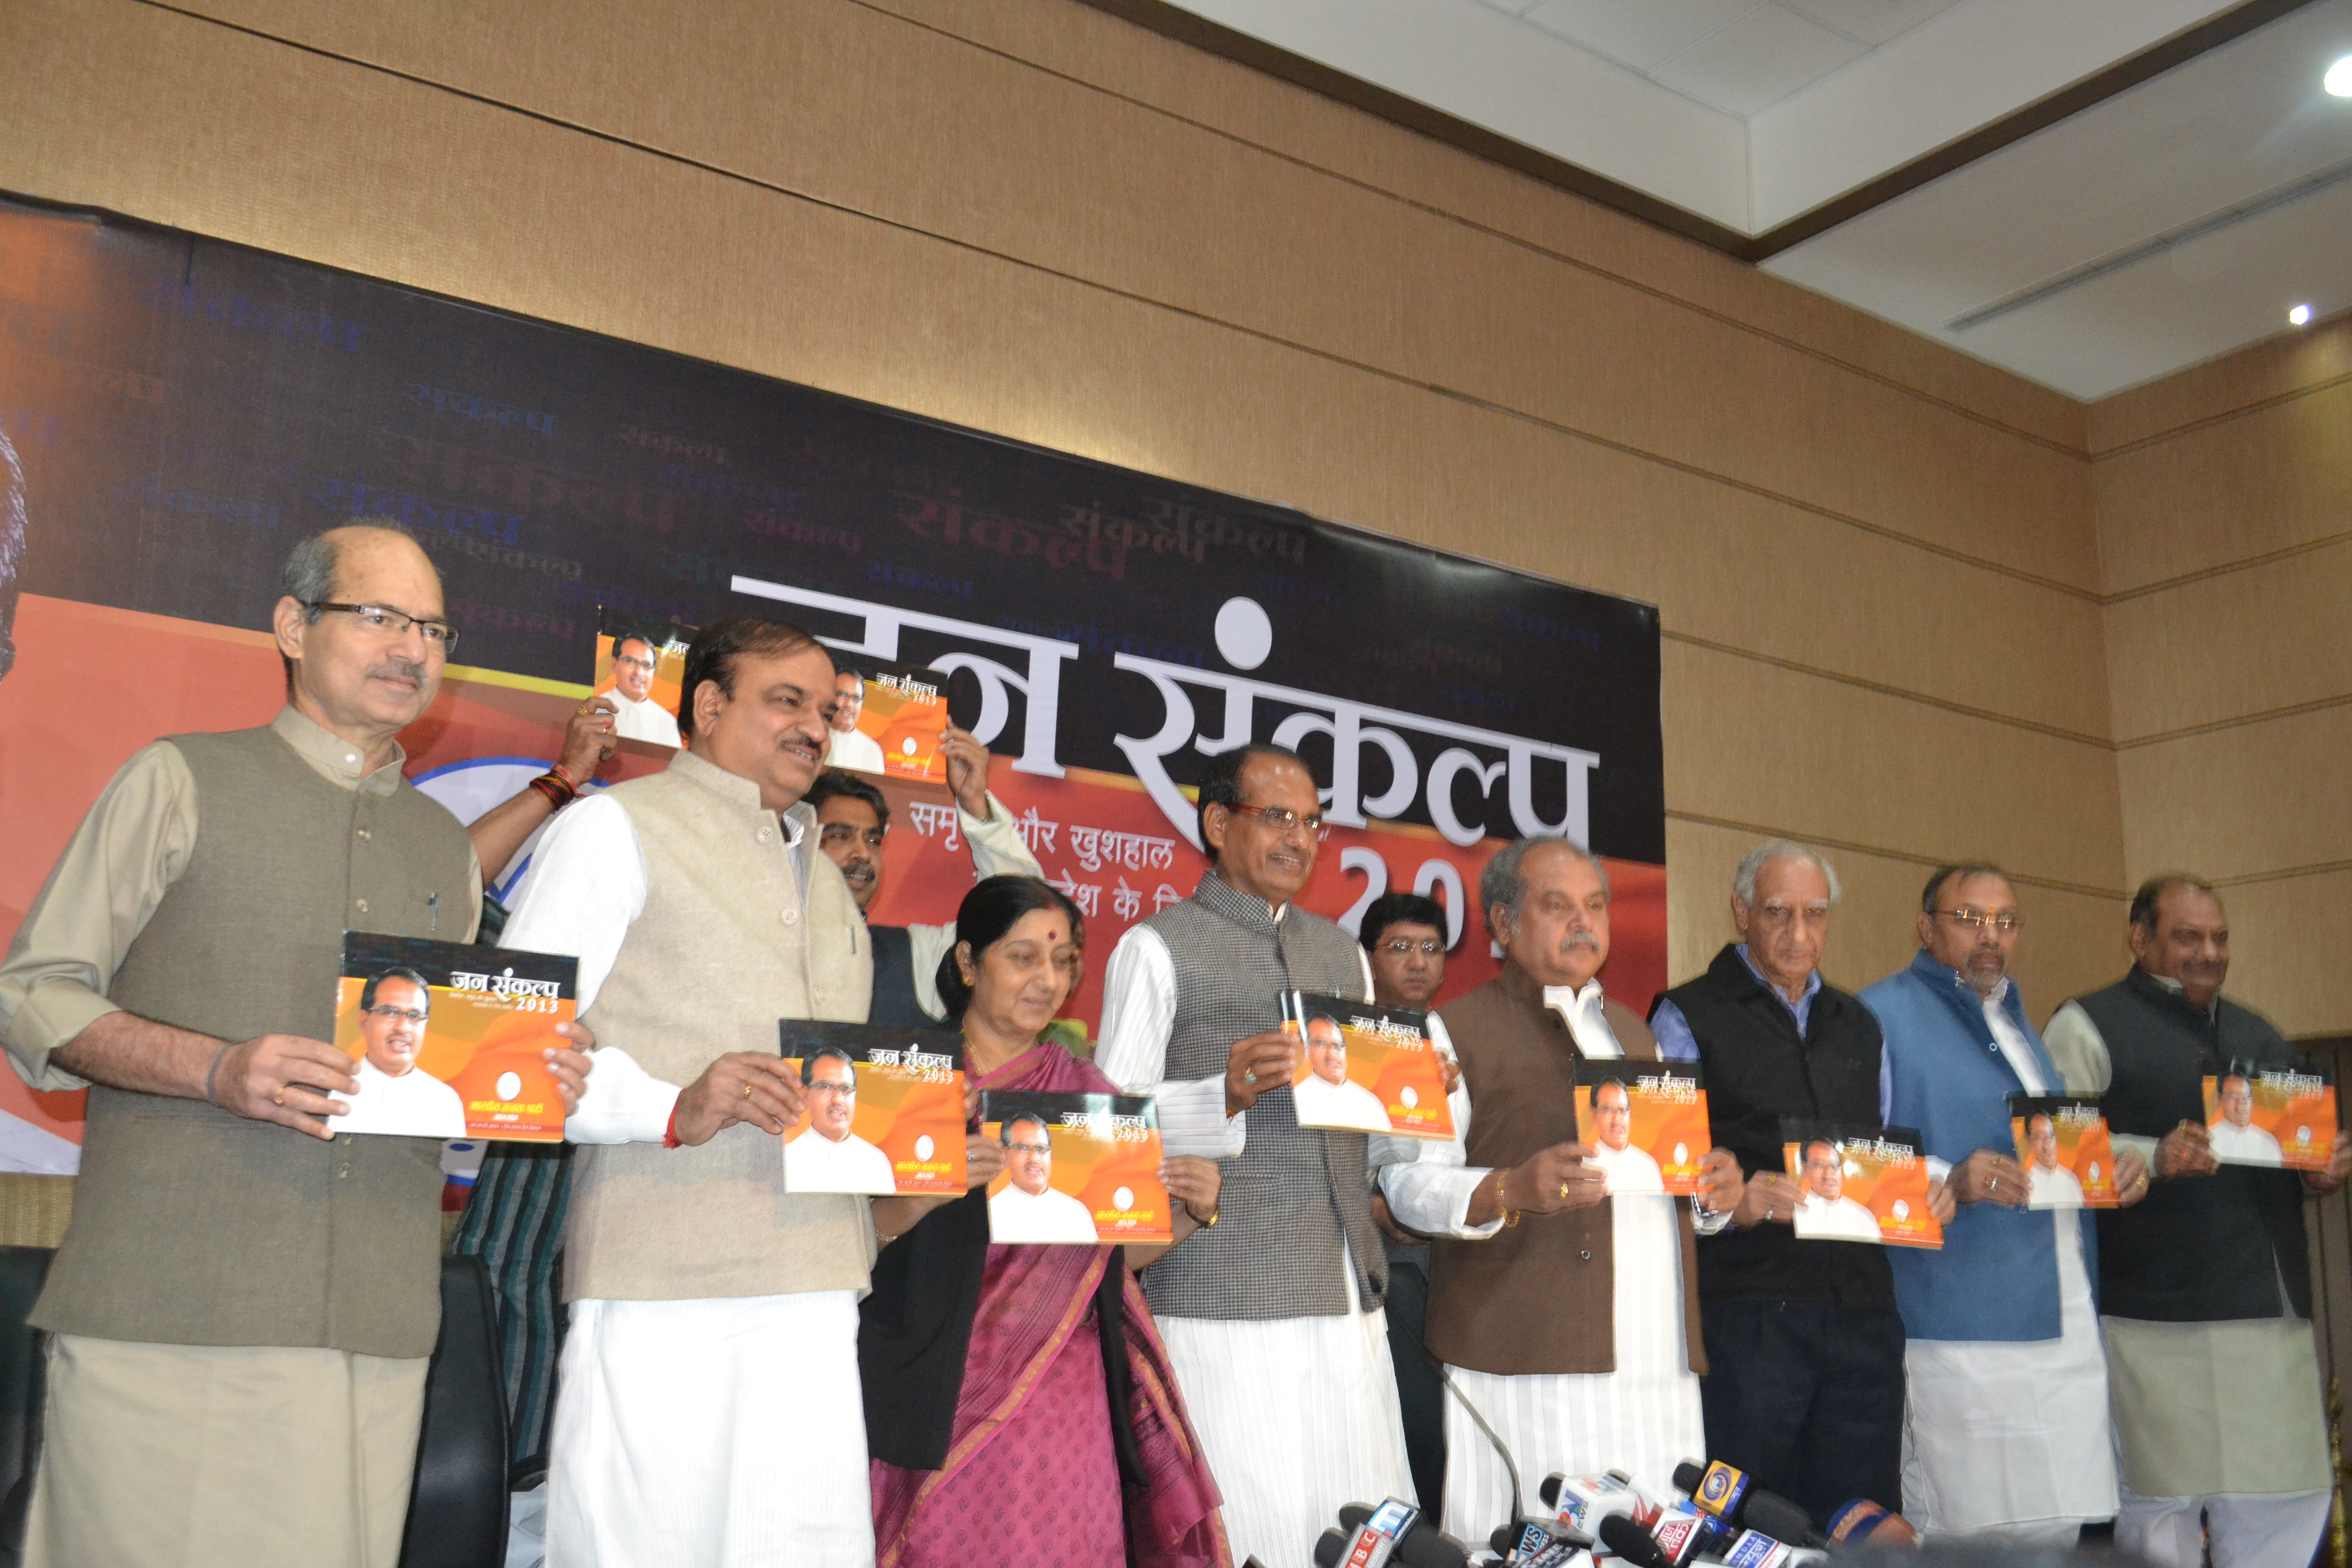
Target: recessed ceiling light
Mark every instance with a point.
(2299, 315)
(2338, 79)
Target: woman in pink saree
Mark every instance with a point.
(1019, 1405)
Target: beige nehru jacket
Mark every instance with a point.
(209, 890)
(730, 939)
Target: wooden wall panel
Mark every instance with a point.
(1748, 743)
(2285, 366)
(2273, 478)
(857, 107)
(2074, 942)
(2261, 639)
(2286, 949)
(2250, 800)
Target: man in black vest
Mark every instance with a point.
(2205, 1285)
(1804, 1346)
(853, 819)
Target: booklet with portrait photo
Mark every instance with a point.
(882, 1109)
(2276, 1116)
(2063, 1143)
(890, 723)
(445, 1039)
(1365, 1069)
(1645, 1122)
(641, 666)
(1859, 1184)
(1080, 1169)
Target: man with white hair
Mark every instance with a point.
(1805, 1345)
(1566, 1311)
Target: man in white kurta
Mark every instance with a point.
(1296, 1409)
(635, 715)
(2236, 1141)
(1626, 1167)
(712, 1346)
(1520, 1039)
(1327, 1097)
(1826, 1214)
(851, 747)
(2006, 1433)
(1029, 1209)
(394, 1095)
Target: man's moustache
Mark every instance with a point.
(1582, 939)
(397, 668)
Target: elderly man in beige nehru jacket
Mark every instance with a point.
(709, 1411)
(244, 1307)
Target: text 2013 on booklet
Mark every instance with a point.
(445, 1039)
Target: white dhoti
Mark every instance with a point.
(1297, 1416)
(196, 1457)
(2009, 1437)
(710, 1434)
(1643, 1418)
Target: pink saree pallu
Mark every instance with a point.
(1019, 1406)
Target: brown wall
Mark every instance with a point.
(1876, 560)
(2225, 526)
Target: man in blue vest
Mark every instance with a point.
(2205, 1289)
(2006, 1429)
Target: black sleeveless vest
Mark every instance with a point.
(894, 1006)
(1758, 1072)
(2197, 1249)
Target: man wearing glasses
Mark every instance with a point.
(1405, 934)
(392, 1095)
(1804, 1347)
(1273, 1319)
(1029, 1209)
(712, 1343)
(242, 1312)
(637, 716)
(2006, 1429)
(827, 1156)
(853, 820)
(851, 747)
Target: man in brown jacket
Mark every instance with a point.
(243, 1310)
(1570, 1322)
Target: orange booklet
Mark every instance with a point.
(1859, 1184)
(882, 1109)
(1645, 1124)
(641, 666)
(2062, 1141)
(445, 1039)
(1078, 1168)
(887, 718)
(1365, 1069)
(2261, 1115)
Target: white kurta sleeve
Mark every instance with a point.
(997, 848)
(1429, 1181)
(1138, 1015)
(586, 888)
(2080, 1054)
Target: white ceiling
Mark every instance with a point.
(2162, 226)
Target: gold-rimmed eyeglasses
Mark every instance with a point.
(2004, 922)
(1282, 819)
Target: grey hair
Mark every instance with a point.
(308, 575)
(1743, 881)
(1503, 881)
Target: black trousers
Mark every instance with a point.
(1421, 1393)
(1807, 1400)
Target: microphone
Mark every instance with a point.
(1420, 1544)
(1632, 1543)
(1329, 1547)
(1731, 1497)
(1862, 1520)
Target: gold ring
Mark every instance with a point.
(747, 1091)
(1563, 1189)
(280, 1097)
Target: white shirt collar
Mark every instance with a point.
(1580, 1008)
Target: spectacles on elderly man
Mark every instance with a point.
(2004, 921)
(1281, 819)
(391, 623)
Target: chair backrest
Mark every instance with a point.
(457, 1507)
(24, 1367)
